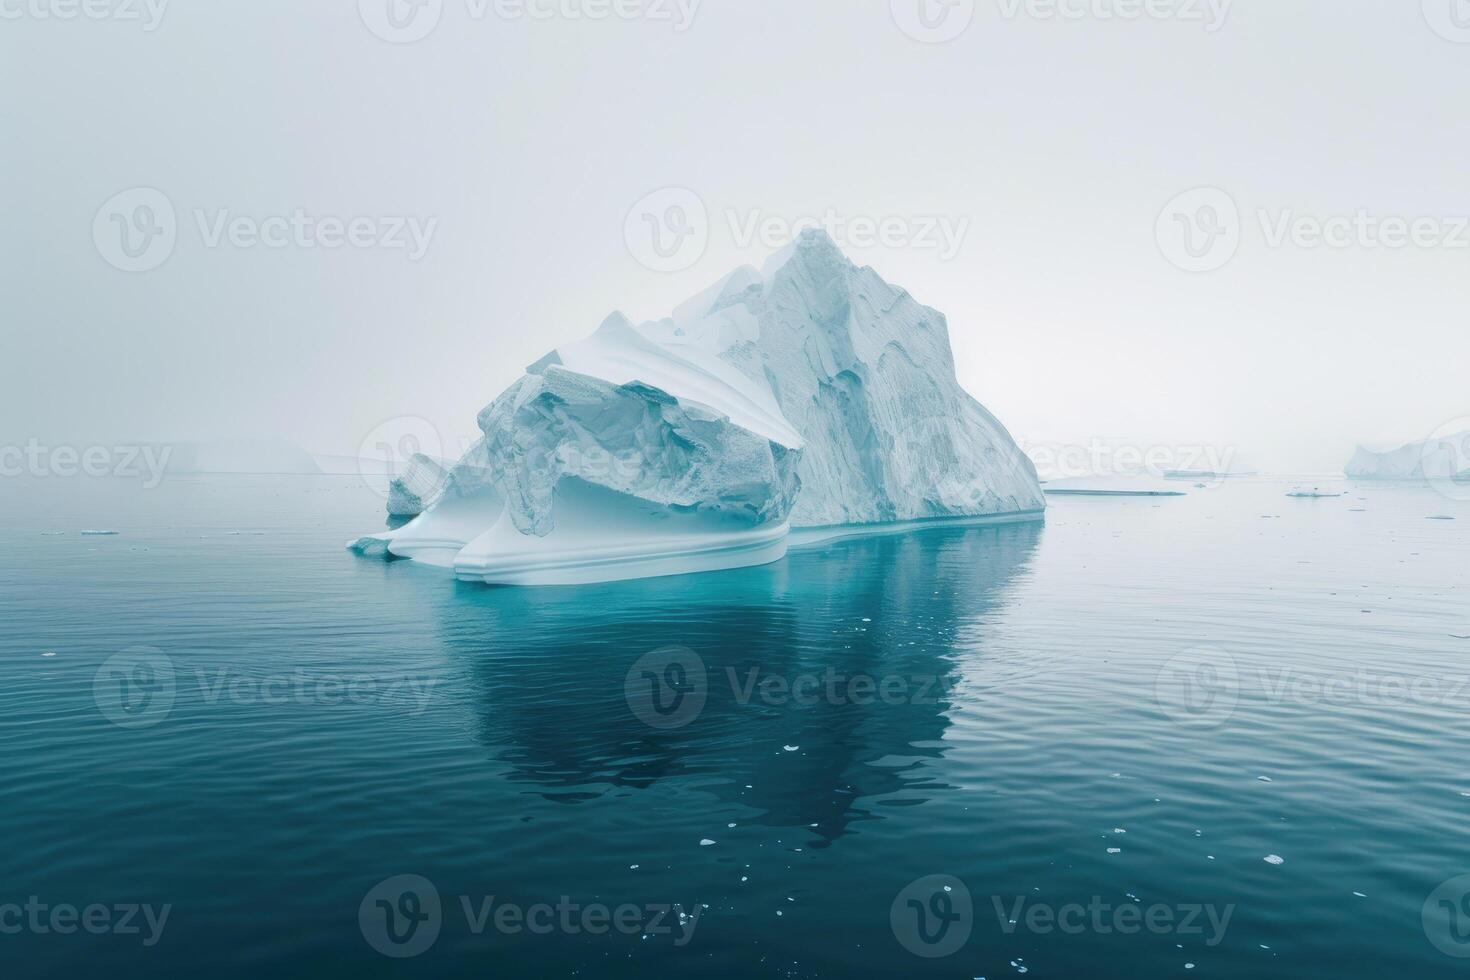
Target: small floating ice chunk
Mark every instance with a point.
(705, 842)
(1115, 850)
(371, 546)
(1274, 859)
(791, 748)
(1119, 830)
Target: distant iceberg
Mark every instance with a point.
(241, 456)
(809, 395)
(1441, 458)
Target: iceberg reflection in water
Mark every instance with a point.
(1145, 697)
(851, 653)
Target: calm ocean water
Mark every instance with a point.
(1101, 727)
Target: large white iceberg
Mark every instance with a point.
(809, 395)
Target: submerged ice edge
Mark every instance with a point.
(682, 556)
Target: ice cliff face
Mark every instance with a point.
(1436, 459)
(866, 375)
(629, 438)
(418, 489)
(808, 394)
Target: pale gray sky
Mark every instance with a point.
(516, 147)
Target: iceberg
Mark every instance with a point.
(809, 395)
(240, 456)
(418, 488)
(1440, 458)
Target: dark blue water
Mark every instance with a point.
(1100, 727)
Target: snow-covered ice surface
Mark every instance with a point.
(808, 395)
